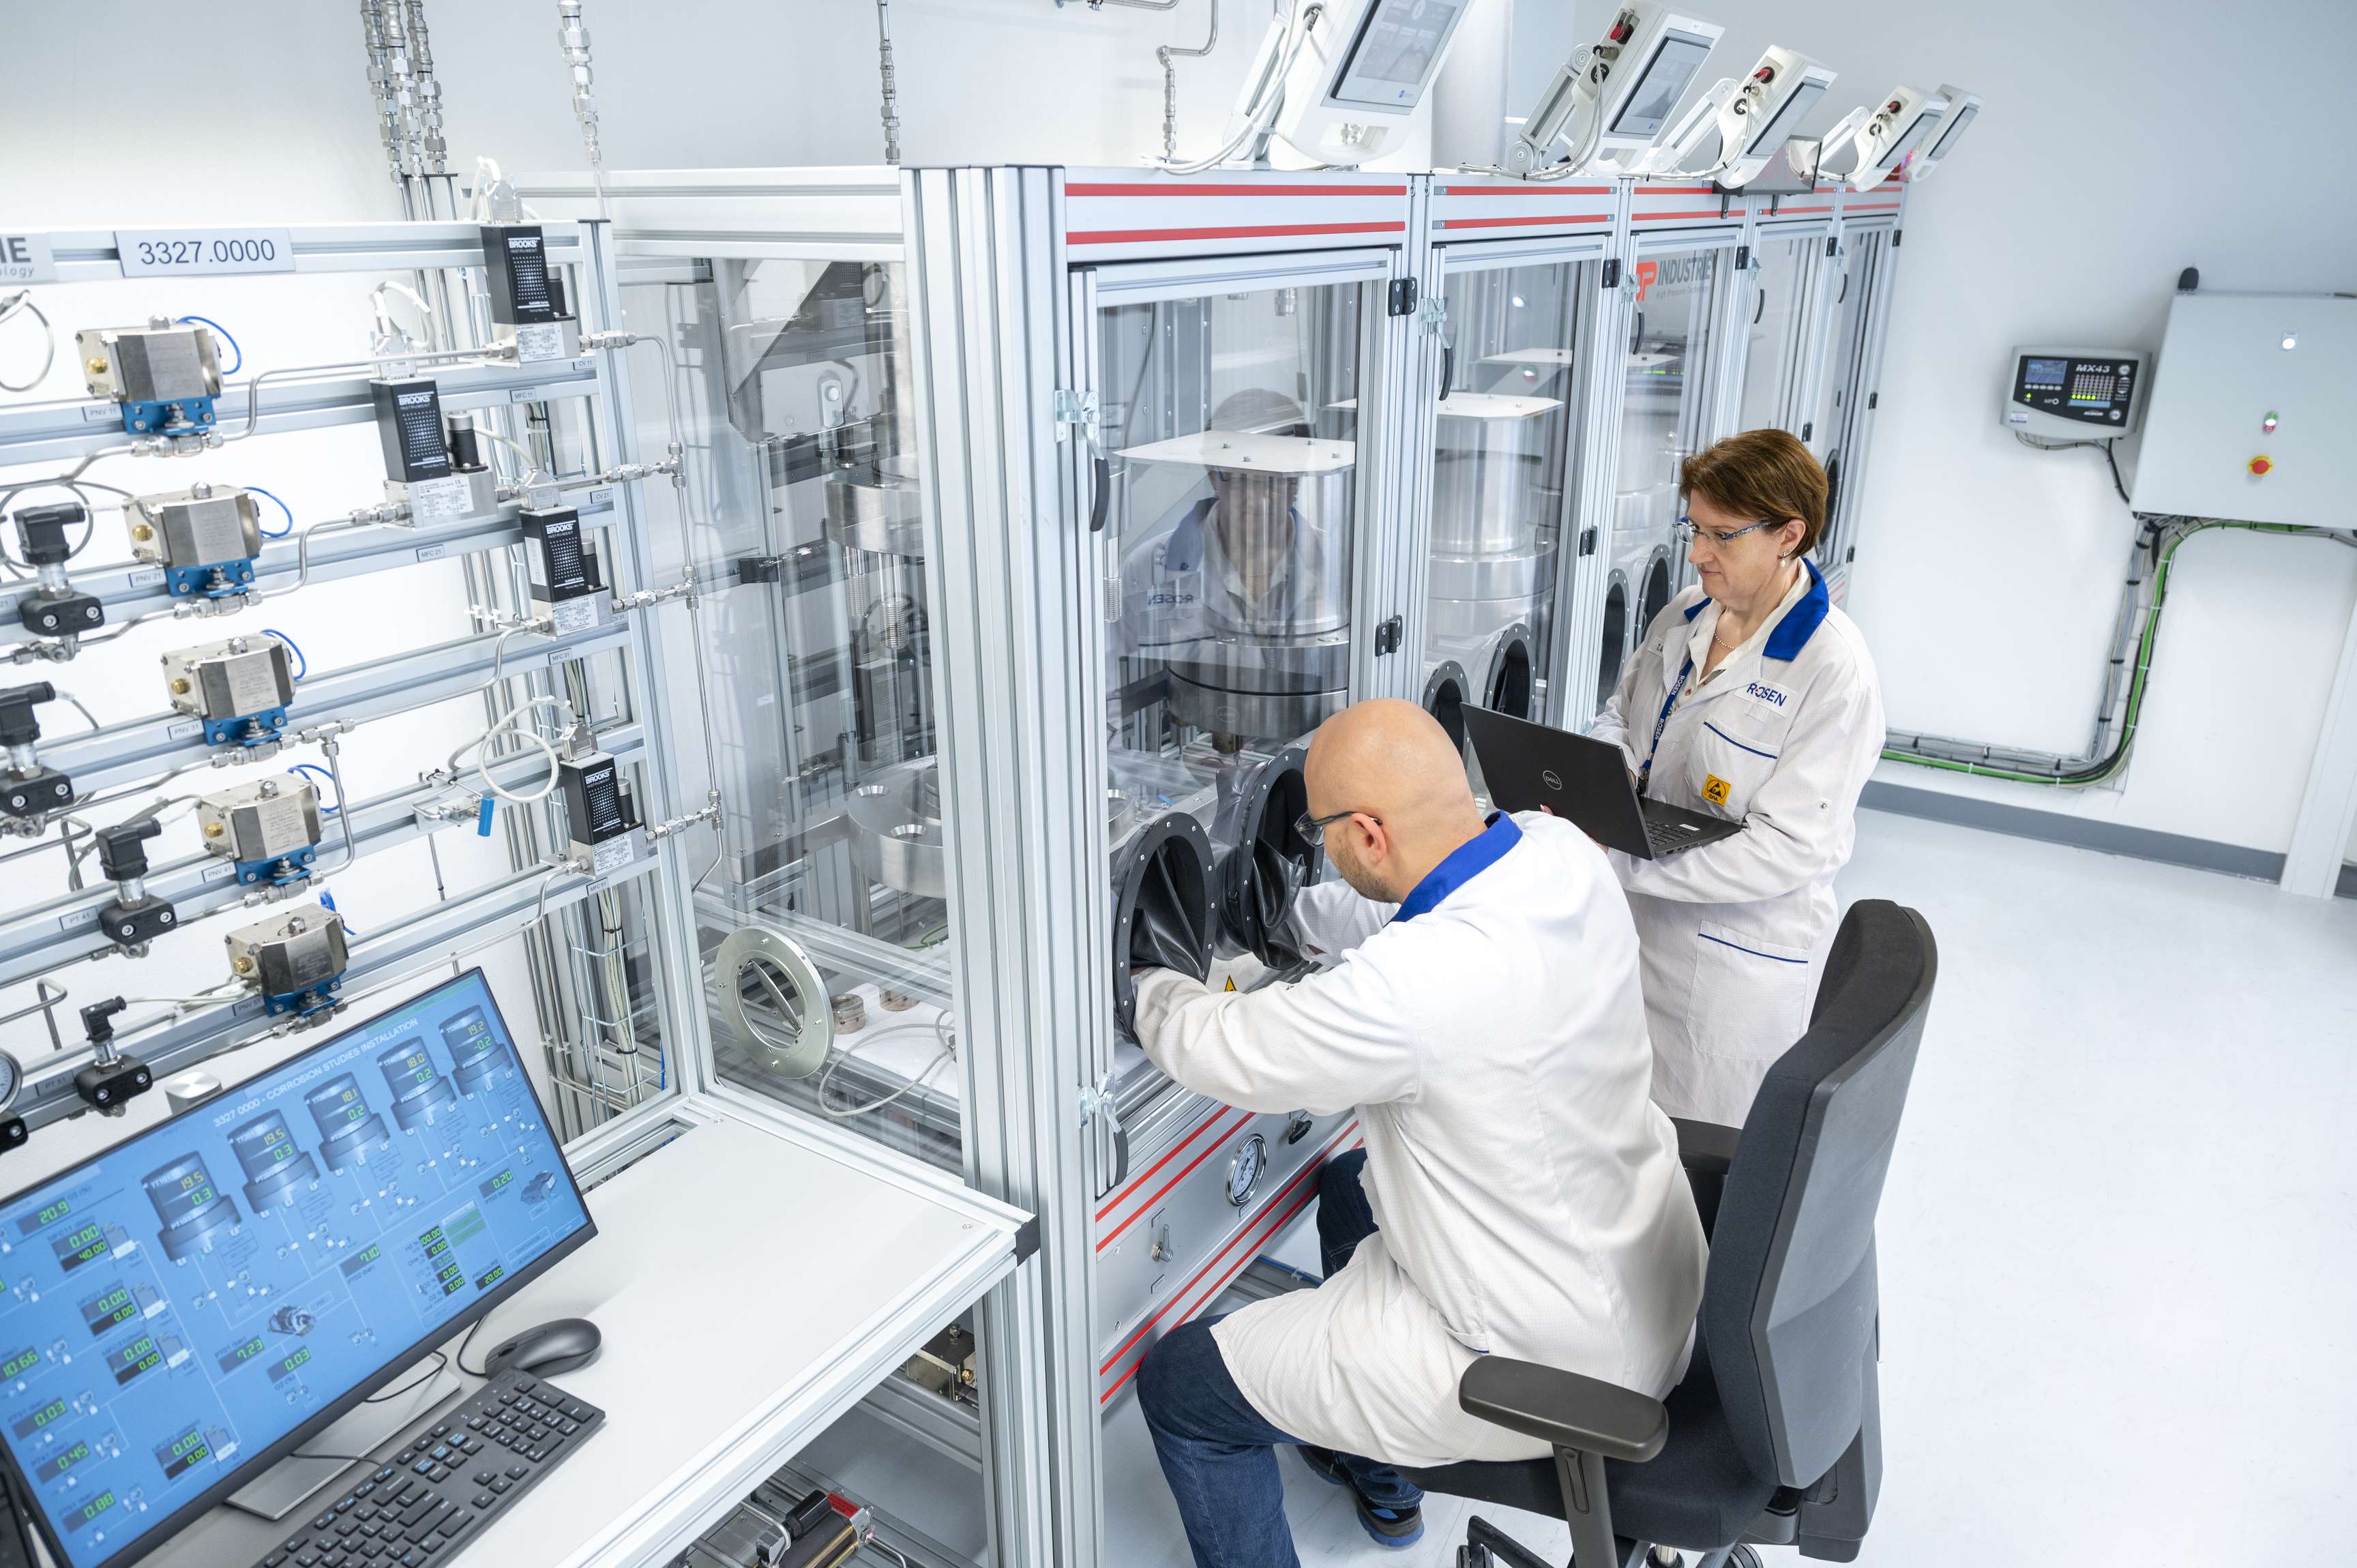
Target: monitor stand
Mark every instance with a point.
(281, 1490)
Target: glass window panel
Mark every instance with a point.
(1769, 367)
(1499, 473)
(1231, 420)
(1664, 419)
(804, 531)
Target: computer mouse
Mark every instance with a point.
(550, 1348)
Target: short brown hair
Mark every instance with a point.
(1761, 474)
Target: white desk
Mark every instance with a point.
(751, 1283)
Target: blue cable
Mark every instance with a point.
(282, 506)
(327, 902)
(302, 665)
(209, 321)
(303, 768)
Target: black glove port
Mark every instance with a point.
(1509, 672)
(1262, 861)
(1444, 699)
(1161, 908)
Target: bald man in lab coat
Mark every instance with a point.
(1522, 1194)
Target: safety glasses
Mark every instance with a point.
(1686, 531)
(1311, 828)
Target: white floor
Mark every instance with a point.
(2119, 1245)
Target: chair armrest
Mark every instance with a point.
(1705, 1148)
(1563, 1408)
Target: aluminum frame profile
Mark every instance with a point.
(1019, 628)
(686, 1030)
(131, 588)
(402, 948)
(1872, 221)
(991, 254)
(38, 939)
(46, 432)
(1570, 665)
(143, 747)
(397, 952)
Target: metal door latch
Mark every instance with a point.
(1075, 409)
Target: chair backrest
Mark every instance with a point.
(1789, 1304)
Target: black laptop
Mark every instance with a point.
(1529, 766)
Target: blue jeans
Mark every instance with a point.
(1218, 1452)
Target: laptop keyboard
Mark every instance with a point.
(1668, 837)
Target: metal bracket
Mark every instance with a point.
(1097, 1100)
(1433, 313)
(1076, 409)
(1403, 297)
(1611, 273)
(1387, 636)
(1587, 541)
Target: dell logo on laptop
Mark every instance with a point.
(1551, 779)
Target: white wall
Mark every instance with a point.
(1987, 574)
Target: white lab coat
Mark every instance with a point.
(1781, 737)
(1528, 1192)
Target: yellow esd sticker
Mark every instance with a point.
(1231, 983)
(1714, 789)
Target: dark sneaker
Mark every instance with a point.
(1385, 1525)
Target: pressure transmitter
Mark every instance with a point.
(54, 608)
(137, 917)
(27, 790)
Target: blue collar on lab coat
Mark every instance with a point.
(1800, 622)
(1463, 864)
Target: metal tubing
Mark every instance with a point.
(58, 932)
(1166, 54)
(892, 90)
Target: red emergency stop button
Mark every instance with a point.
(2260, 466)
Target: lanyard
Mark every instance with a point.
(1645, 773)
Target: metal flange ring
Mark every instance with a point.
(796, 1045)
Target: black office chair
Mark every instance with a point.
(1774, 1436)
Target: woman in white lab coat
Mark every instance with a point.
(1751, 698)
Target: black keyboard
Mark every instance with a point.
(451, 1479)
(1670, 836)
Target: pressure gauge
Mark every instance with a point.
(11, 1079)
(1244, 1173)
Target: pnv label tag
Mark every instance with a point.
(26, 258)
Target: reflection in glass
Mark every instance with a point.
(1771, 367)
(1499, 481)
(1839, 386)
(1231, 418)
(1230, 423)
(804, 531)
(1664, 419)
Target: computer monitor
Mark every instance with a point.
(181, 1312)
